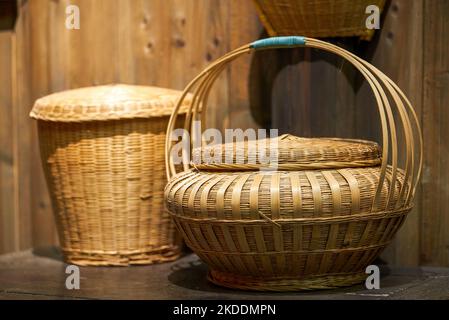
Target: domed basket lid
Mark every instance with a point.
(288, 152)
(107, 102)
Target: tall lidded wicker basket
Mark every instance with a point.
(102, 150)
(317, 18)
(314, 220)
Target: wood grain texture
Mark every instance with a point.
(8, 218)
(21, 134)
(243, 28)
(43, 232)
(435, 185)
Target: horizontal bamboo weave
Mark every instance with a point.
(317, 18)
(106, 178)
(297, 228)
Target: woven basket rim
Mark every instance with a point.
(294, 153)
(107, 102)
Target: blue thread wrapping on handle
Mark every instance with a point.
(278, 42)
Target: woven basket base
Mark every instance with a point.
(121, 260)
(284, 284)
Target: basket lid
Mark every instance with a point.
(290, 153)
(107, 102)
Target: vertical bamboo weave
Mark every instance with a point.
(321, 218)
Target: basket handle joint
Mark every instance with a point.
(278, 42)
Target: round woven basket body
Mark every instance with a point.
(319, 18)
(102, 150)
(289, 213)
(288, 229)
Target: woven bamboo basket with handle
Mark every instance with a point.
(317, 18)
(316, 221)
(102, 150)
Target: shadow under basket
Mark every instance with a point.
(102, 150)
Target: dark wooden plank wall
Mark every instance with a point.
(435, 117)
(165, 43)
(8, 219)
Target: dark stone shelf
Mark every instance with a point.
(40, 274)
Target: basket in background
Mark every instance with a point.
(102, 150)
(317, 18)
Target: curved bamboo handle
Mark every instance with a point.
(383, 88)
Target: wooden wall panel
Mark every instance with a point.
(8, 217)
(21, 135)
(243, 28)
(435, 183)
(39, 64)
